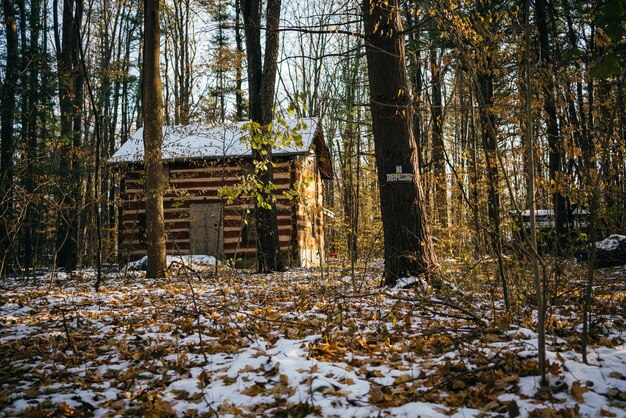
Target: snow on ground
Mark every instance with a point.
(295, 344)
(611, 243)
(175, 261)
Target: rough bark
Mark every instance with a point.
(152, 109)
(262, 70)
(408, 247)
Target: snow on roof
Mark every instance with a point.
(204, 141)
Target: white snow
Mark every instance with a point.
(178, 260)
(218, 141)
(277, 341)
(611, 243)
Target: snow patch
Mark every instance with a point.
(179, 260)
(611, 243)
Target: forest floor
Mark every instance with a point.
(304, 343)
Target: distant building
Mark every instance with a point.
(545, 219)
(198, 161)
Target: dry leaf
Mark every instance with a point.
(578, 391)
(254, 390)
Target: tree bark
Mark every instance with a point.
(152, 109)
(262, 70)
(408, 247)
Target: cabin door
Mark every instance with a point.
(206, 229)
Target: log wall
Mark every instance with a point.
(198, 183)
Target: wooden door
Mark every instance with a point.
(206, 229)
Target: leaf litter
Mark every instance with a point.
(296, 344)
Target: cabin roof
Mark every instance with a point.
(191, 142)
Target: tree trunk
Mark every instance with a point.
(33, 92)
(261, 84)
(238, 69)
(538, 278)
(70, 104)
(408, 247)
(438, 157)
(7, 142)
(152, 140)
(552, 127)
(490, 145)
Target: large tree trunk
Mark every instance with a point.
(261, 84)
(7, 142)
(408, 247)
(152, 140)
(70, 105)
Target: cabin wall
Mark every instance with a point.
(193, 184)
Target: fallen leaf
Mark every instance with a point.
(577, 391)
(254, 390)
(513, 409)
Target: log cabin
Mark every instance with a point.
(198, 161)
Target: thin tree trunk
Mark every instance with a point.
(238, 69)
(530, 182)
(552, 127)
(438, 155)
(33, 113)
(7, 141)
(490, 145)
